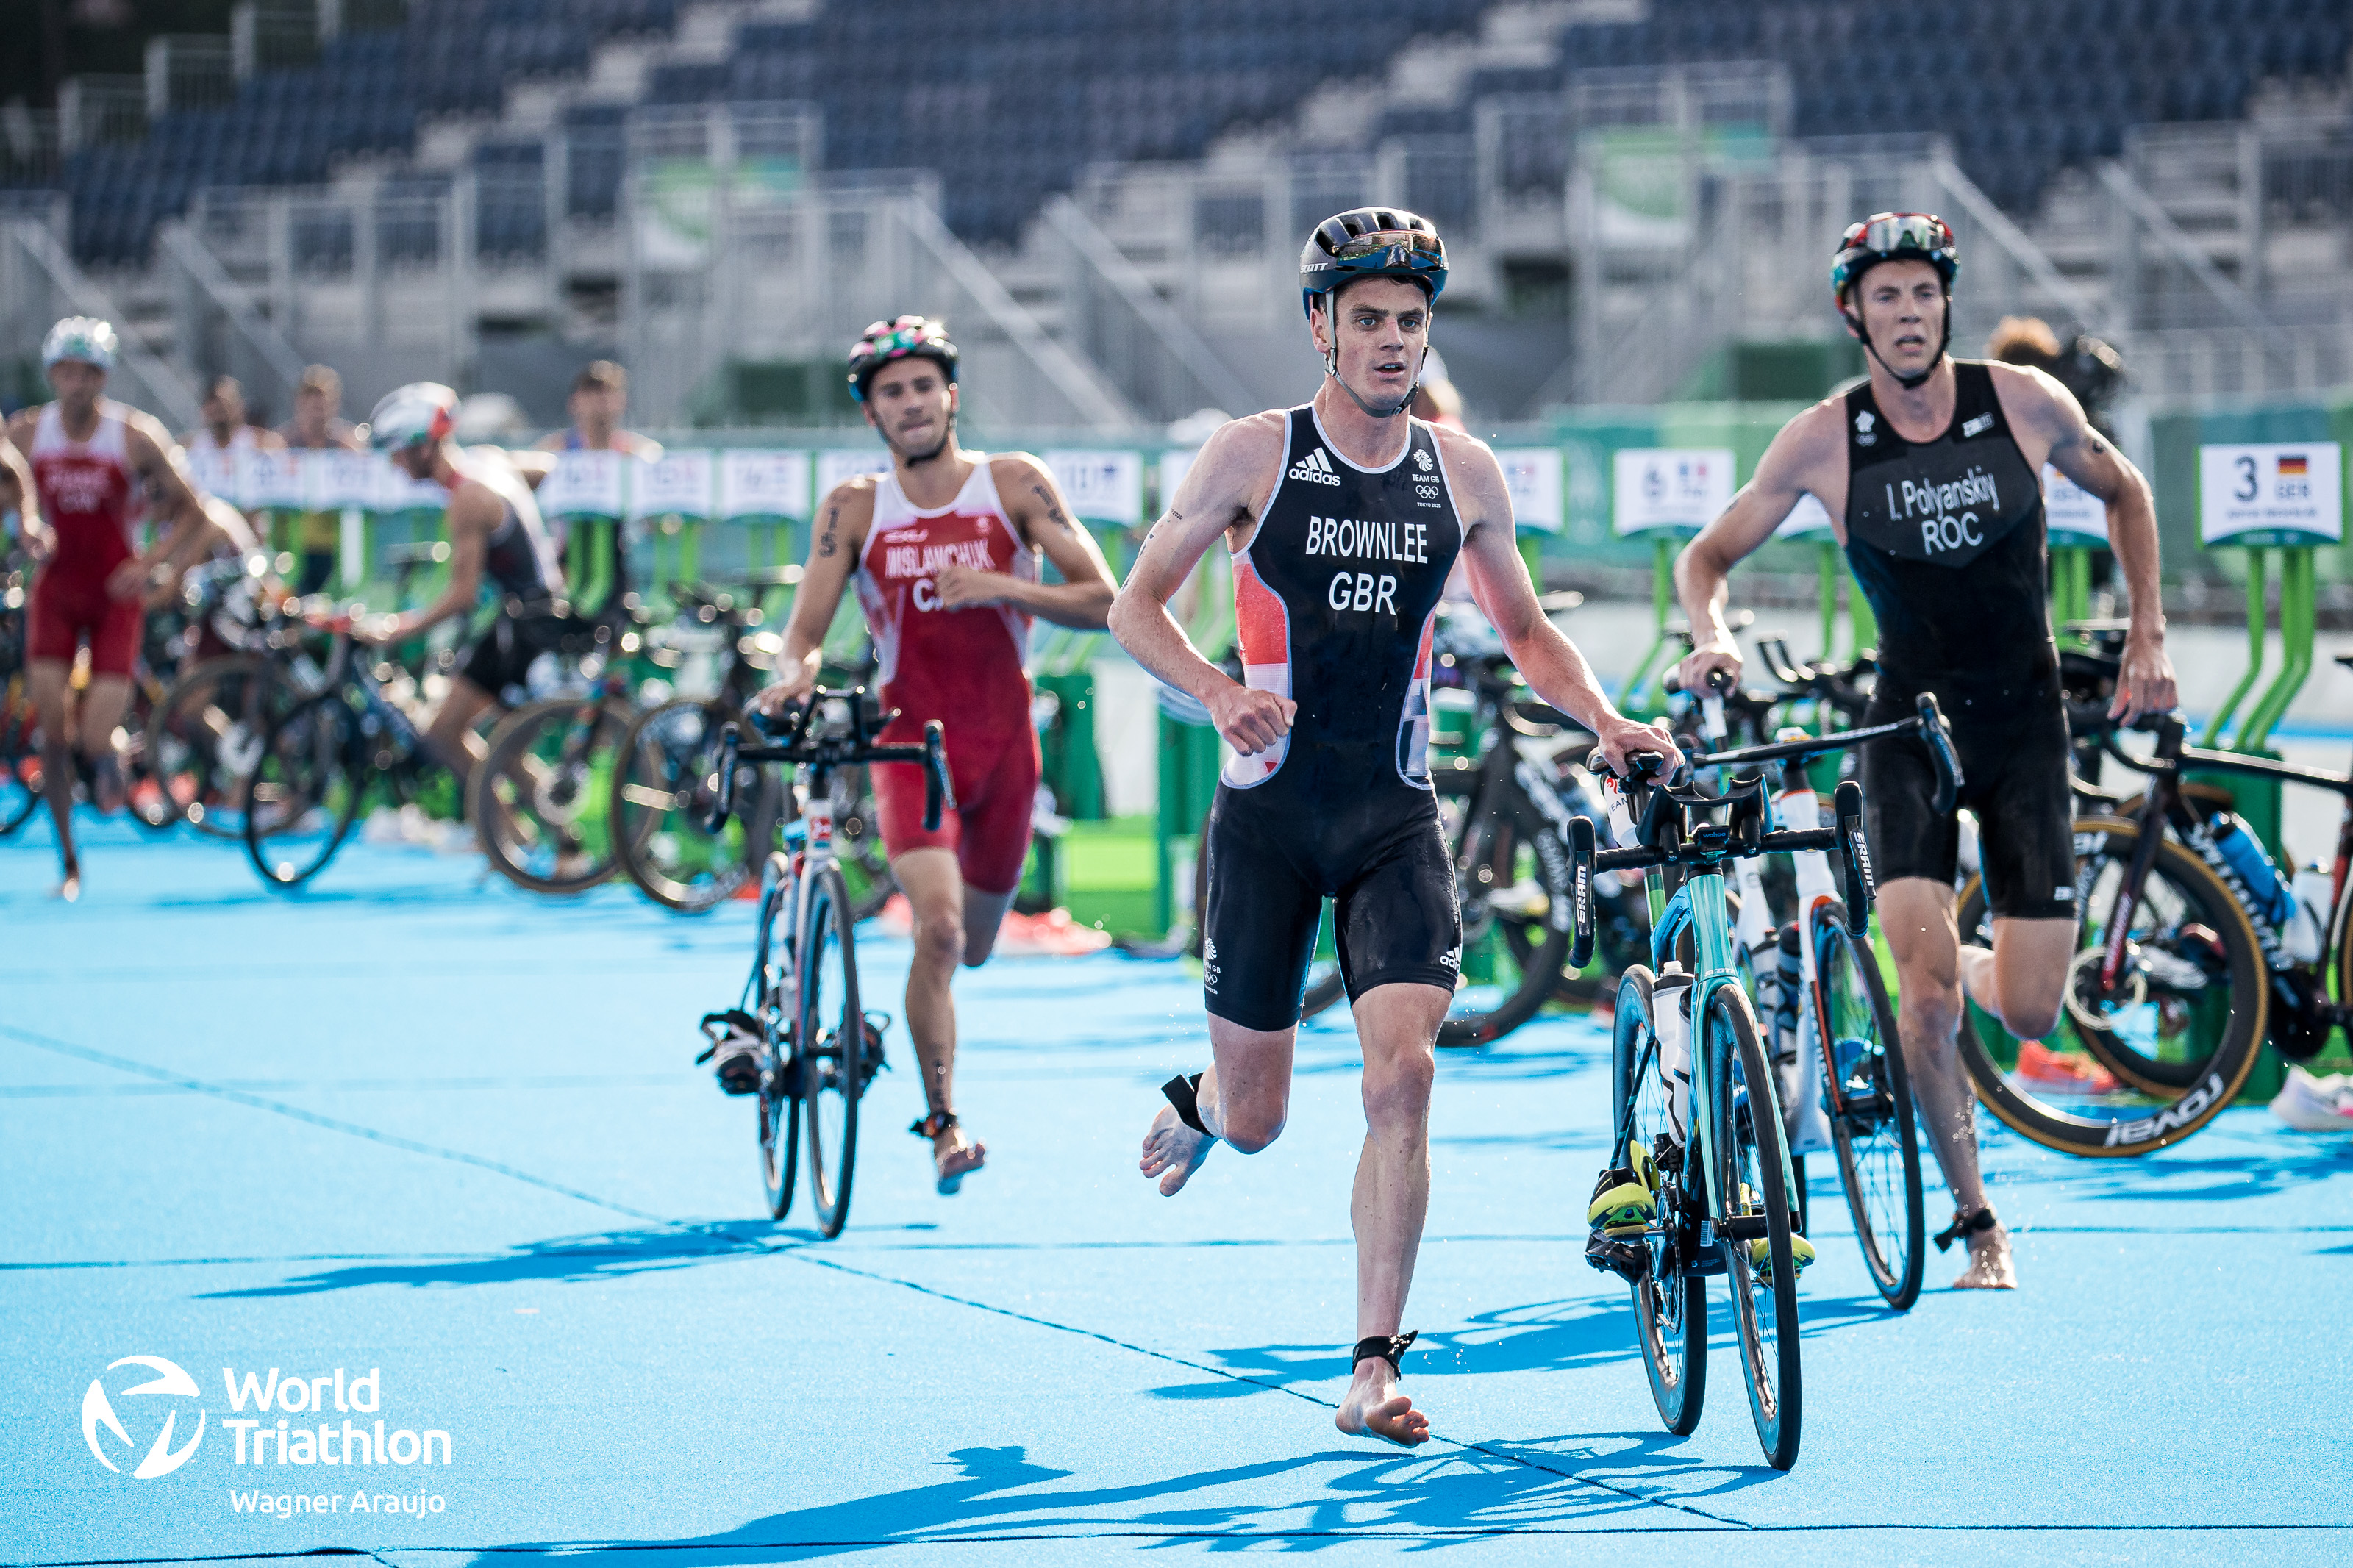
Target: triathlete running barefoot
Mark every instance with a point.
(944, 548)
(1932, 476)
(496, 542)
(90, 459)
(1343, 517)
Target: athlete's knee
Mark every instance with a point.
(1397, 1090)
(2033, 1015)
(939, 938)
(1249, 1125)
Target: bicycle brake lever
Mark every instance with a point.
(1580, 891)
(724, 808)
(1933, 729)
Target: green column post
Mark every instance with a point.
(1828, 552)
(2258, 630)
(2299, 614)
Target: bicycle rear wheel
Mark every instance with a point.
(205, 738)
(1670, 1301)
(780, 1082)
(20, 757)
(1515, 916)
(305, 790)
(1749, 1184)
(665, 785)
(1870, 1109)
(541, 800)
(830, 1034)
(2193, 1002)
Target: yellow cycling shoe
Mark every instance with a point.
(1625, 1197)
(1760, 1256)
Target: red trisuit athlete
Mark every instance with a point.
(945, 546)
(89, 460)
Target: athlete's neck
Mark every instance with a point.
(931, 479)
(79, 423)
(1920, 413)
(222, 434)
(1367, 442)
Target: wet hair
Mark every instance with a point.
(321, 378)
(220, 384)
(601, 375)
(2023, 340)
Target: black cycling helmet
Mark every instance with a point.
(902, 337)
(1371, 242)
(1895, 236)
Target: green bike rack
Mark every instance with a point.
(588, 572)
(2299, 616)
(2258, 636)
(1636, 697)
(2071, 583)
(677, 549)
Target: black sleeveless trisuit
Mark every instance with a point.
(1946, 539)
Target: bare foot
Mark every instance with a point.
(69, 886)
(954, 1160)
(1991, 1268)
(1173, 1151)
(106, 789)
(1374, 1407)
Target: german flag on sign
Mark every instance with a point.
(2292, 468)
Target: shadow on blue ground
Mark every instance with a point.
(599, 1255)
(1431, 1501)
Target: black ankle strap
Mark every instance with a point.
(1184, 1094)
(931, 1126)
(1965, 1224)
(1389, 1347)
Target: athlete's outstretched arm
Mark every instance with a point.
(1703, 570)
(1235, 469)
(2145, 683)
(834, 544)
(476, 511)
(1548, 660)
(1083, 599)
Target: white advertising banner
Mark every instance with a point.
(214, 471)
(763, 484)
(1668, 489)
(1102, 487)
(2281, 492)
(1808, 521)
(586, 484)
(1533, 474)
(2074, 515)
(269, 481)
(674, 484)
(834, 467)
(345, 481)
(1174, 466)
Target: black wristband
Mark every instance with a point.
(1184, 1094)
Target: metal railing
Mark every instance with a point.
(1118, 321)
(40, 282)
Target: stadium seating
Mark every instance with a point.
(1009, 100)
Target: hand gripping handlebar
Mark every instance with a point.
(793, 743)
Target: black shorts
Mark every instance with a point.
(1277, 851)
(2014, 779)
(500, 659)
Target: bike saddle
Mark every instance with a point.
(2346, 659)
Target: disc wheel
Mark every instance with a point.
(306, 789)
(664, 786)
(1868, 1100)
(780, 1083)
(541, 801)
(205, 738)
(1670, 1301)
(2191, 1005)
(831, 1033)
(1749, 1184)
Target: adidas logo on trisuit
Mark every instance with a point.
(1315, 468)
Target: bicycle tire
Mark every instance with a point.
(562, 811)
(1872, 1124)
(663, 785)
(310, 771)
(2044, 1116)
(858, 844)
(201, 752)
(1749, 1171)
(1670, 1301)
(1520, 830)
(20, 758)
(780, 1088)
(832, 1060)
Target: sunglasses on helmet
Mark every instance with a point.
(1886, 232)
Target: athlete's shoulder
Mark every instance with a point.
(1457, 446)
(22, 424)
(856, 492)
(1017, 468)
(143, 434)
(1817, 429)
(1252, 441)
(2031, 398)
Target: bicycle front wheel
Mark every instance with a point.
(1513, 883)
(305, 790)
(2167, 1047)
(542, 798)
(780, 1079)
(665, 785)
(205, 738)
(1748, 1183)
(1670, 1300)
(1868, 1103)
(830, 1036)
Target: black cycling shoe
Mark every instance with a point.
(734, 1038)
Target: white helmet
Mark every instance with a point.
(83, 337)
(411, 415)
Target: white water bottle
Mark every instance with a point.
(1671, 1016)
(2307, 928)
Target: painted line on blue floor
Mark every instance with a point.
(331, 1124)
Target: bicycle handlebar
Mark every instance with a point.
(793, 744)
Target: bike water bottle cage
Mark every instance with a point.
(1389, 1347)
(1965, 1224)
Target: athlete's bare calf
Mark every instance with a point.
(2019, 981)
(1244, 1099)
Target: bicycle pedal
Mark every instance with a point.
(1629, 1261)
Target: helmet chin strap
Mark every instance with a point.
(1372, 410)
(1908, 383)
